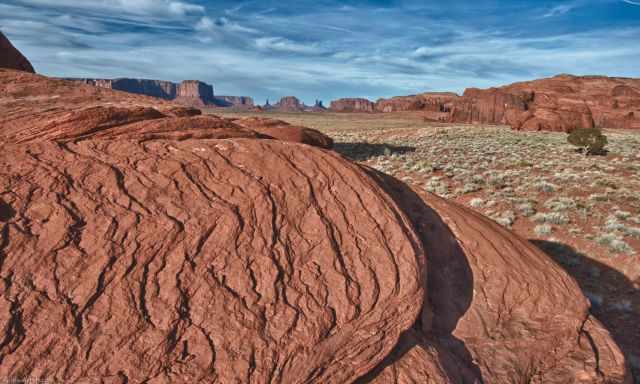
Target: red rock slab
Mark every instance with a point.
(36, 108)
(11, 58)
(284, 131)
(199, 260)
(501, 307)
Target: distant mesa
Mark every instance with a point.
(193, 93)
(293, 104)
(352, 105)
(12, 58)
(234, 101)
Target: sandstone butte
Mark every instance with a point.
(144, 242)
(352, 105)
(560, 103)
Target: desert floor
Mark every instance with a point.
(582, 211)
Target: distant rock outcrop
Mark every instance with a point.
(352, 105)
(196, 93)
(560, 103)
(436, 106)
(233, 101)
(156, 88)
(289, 104)
(11, 58)
(193, 93)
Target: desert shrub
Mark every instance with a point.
(590, 140)
(526, 209)
(622, 215)
(542, 229)
(506, 219)
(545, 186)
(614, 243)
(551, 217)
(560, 204)
(476, 202)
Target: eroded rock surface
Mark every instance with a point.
(284, 131)
(289, 104)
(352, 105)
(561, 103)
(501, 309)
(36, 108)
(226, 260)
(11, 58)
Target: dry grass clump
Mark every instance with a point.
(614, 243)
(557, 218)
(543, 230)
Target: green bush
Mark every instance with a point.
(591, 141)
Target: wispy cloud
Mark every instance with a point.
(280, 44)
(560, 10)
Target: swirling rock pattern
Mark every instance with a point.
(502, 311)
(226, 260)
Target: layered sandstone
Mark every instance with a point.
(352, 105)
(496, 310)
(561, 103)
(189, 92)
(233, 101)
(156, 88)
(289, 104)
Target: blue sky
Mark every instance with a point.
(327, 49)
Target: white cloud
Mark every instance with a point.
(281, 44)
(139, 7)
(559, 10)
(204, 24)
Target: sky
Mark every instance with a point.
(325, 49)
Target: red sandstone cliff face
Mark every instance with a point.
(289, 104)
(560, 103)
(195, 93)
(352, 105)
(234, 101)
(11, 58)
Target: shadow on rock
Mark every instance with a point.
(615, 300)
(6, 212)
(448, 295)
(365, 151)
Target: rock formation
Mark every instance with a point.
(145, 242)
(289, 104)
(11, 58)
(156, 88)
(195, 93)
(510, 314)
(352, 105)
(560, 103)
(80, 111)
(189, 92)
(234, 101)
